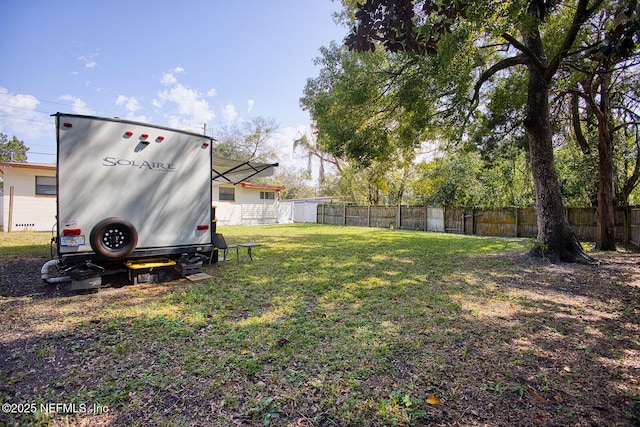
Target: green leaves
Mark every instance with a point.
(12, 150)
(397, 25)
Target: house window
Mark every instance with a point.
(46, 186)
(267, 195)
(227, 193)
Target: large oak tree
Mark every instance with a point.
(418, 27)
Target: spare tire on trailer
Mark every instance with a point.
(113, 238)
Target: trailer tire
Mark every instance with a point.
(113, 238)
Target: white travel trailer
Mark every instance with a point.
(132, 197)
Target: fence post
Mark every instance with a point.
(344, 214)
(473, 221)
(399, 217)
(627, 229)
(464, 221)
(444, 218)
(426, 218)
(369, 215)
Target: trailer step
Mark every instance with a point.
(151, 270)
(138, 264)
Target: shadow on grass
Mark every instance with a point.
(341, 326)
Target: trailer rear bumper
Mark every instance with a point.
(139, 253)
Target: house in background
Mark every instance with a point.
(250, 204)
(29, 200)
(29, 196)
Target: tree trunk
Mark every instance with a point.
(558, 242)
(630, 184)
(606, 230)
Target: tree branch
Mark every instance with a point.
(633, 179)
(624, 125)
(581, 15)
(524, 49)
(487, 74)
(577, 129)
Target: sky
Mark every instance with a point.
(175, 63)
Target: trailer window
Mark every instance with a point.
(46, 186)
(267, 195)
(227, 193)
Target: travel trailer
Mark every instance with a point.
(134, 198)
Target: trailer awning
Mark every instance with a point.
(235, 171)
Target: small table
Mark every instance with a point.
(249, 246)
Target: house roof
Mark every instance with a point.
(262, 186)
(26, 165)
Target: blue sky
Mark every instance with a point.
(173, 63)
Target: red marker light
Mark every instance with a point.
(67, 125)
(128, 134)
(144, 136)
(160, 139)
(71, 231)
(202, 227)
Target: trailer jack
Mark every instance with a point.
(85, 275)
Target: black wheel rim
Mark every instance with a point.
(115, 238)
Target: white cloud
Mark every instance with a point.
(89, 61)
(19, 117)
(77, 105)
(250, 104)
(229, 112)
(169, 78)
(132, 105)
(129, 102)
(182, 106)
(9, 100)
(212, 93)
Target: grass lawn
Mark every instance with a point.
(330, 326)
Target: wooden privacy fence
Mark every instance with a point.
(505, 222)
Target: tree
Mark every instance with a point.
(628, 142)
(345, 103)
(468, 178)
(12, 150)
(578, 175)
(597, 73)
(308, 144)
(521, 33)
(370, 115)
(296, 182)
(246, 140)
(451, 180)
